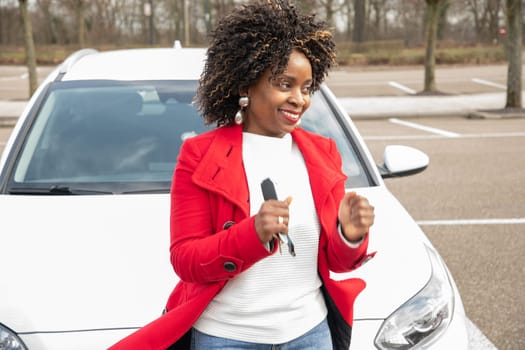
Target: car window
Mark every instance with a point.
(320, 119)
(126, 136)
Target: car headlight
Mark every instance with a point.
(9, 340)
(423, 318)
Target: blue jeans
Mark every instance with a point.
(318, 338)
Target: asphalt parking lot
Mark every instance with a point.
(470, 200)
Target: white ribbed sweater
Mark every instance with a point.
(279, 298)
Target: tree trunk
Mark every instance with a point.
(359, 21)
(207, 17)
(493, 21)
(81, 27)
(431, 38)
(151, 28)
(50, 27)
(186, 16)
(348, 7)
(329, 9)
(377, 19)
(29, 46)
(176, 17)
(513, 14)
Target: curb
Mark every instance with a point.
(486, 106)
(8, 118)
(10, 111)
(496, 114)
(8, 122)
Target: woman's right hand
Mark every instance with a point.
(267, 222)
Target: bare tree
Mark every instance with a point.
(48, 20)
(379, 22)
(175, 15)
(186, 17)
(151, 21)
(409, 18)
(123, 22)
(29, 46)
(348, 11)
(81, 24)
(358, 34)
(222, 7)
(514, 47)
(10, 24)
(329, 10)
(431, 29)
(485, 14)
(207, 16)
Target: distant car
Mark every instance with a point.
(84, 207)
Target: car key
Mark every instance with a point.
(268, 190)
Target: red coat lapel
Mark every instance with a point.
(221, 169)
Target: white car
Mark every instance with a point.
(84, 207)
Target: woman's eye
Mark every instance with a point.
(284, 84)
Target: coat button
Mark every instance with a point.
(227, 225)
(229, 266)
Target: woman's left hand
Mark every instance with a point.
(356, 216)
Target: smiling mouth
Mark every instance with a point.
(293, 117)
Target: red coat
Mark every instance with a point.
(213, 237)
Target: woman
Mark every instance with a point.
(254, 269)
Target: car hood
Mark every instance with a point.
(101, 262)
(83, 262)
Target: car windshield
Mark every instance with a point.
(124, 137)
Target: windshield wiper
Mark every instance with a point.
(54, 190)
(148, 190)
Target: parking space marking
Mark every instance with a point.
(507, 221)
(494, 134)
(402, 137)
(489, 83)
(424, 128)
(402, 87)
(424, 137)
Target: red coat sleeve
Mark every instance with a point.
(200, 251)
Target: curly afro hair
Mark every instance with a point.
(253, 38)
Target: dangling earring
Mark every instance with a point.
(238, 117)
(243, 103)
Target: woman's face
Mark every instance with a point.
(277, 104)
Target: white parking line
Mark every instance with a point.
(402, 87)
(423, 137)
(489, 83)
(494, 134)
(507, 221)
(424, 128)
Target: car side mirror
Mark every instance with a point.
(402, 161)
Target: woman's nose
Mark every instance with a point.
(297, 97)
